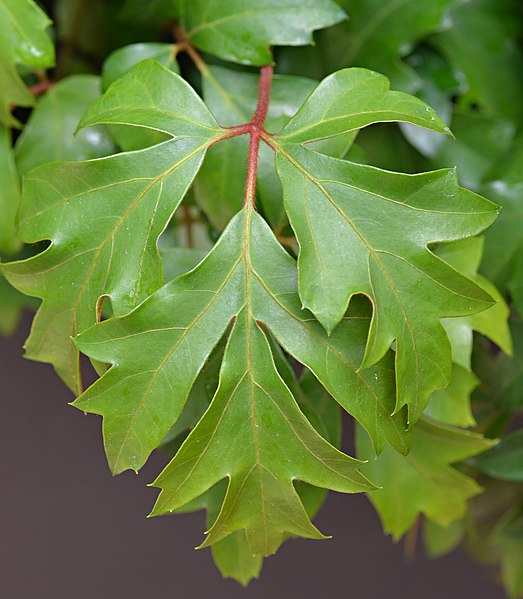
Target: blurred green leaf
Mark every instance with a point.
(481, 40)
(50, 134)
(452, 405)
(422, 482)
(9, 195)
(23, 41)
(505, 460)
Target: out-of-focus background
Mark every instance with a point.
(69, 530)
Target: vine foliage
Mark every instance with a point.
(202, 242)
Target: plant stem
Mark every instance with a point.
(256, 130)
(256, 127)
(41, 87)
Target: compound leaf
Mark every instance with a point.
(422, 482)
(232, 96)
(104, 216)
(23, 41)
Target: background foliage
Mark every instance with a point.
(445, 476)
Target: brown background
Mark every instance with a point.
(71, 531)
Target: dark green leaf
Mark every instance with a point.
(480, 141)
(243, 31)
(505, 461)
(503, 261)
(481, 41)
(377, 34)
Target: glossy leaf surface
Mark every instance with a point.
(242, 31)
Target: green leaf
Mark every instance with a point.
(385, 146)
(482, 42)
(452, 405)
(465, 256)
(149, 11)
(379, 33)
(118, 64)
(130, 437)
(354, 98)
(503, 262)
(438, 83)
(94, 213)
(422, 482)
(9, 195)
(331, 205)
(122, 60)
(510, 544)
(502, 375)
(198, 401)
(440, 540)
(50, 131)
(24, 42)
(505, 461)
(237, 286)
(480, 142)
(232, 555)
(12, 304)
(179, 260)
(242, 31)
